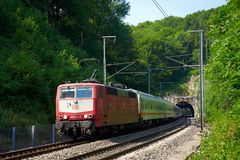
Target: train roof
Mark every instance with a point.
(143, 93)
(118, 86)
(81, 84)
(150, 96)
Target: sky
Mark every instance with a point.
(145, 10)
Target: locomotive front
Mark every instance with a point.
(75, 109)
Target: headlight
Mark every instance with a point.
(65, 117)
(88, 116)
(85, 116)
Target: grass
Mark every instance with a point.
(223, 143)
(9, 118)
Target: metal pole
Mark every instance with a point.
(201, 79)
(201, 76)
(149, 80)
(53, 133)
(104, 62)
(13, 138)
(104, 57)
(204, 96)
(33, 136)
(206, 50)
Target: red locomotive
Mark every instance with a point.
(92, 108)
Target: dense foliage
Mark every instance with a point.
(47, 43)
(223, 77)
(165, 46)
(43, 44)
(154, 41)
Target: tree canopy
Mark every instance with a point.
(46, 43)
(223, 85)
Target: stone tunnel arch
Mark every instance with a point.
(187, 108)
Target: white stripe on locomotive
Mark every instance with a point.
(75, 106)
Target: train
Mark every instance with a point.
(91, 108)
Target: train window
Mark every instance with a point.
(67, 93)
(84, 92)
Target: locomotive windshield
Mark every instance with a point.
(81, 92)
(67, 93)
(84, 92)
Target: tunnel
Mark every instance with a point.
(187, 108)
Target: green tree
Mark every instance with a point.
(223, 75)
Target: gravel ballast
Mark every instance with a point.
(165, 149)
(175, 147)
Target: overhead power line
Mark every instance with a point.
(160, 8)
(117, 64)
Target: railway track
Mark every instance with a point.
(35, 151)
(120, 149)
(103, 153)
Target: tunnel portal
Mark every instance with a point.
(187, 108)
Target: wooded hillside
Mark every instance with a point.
(223, 86)
(46, 43)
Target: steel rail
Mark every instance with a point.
(43, 149)
(120, 149)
